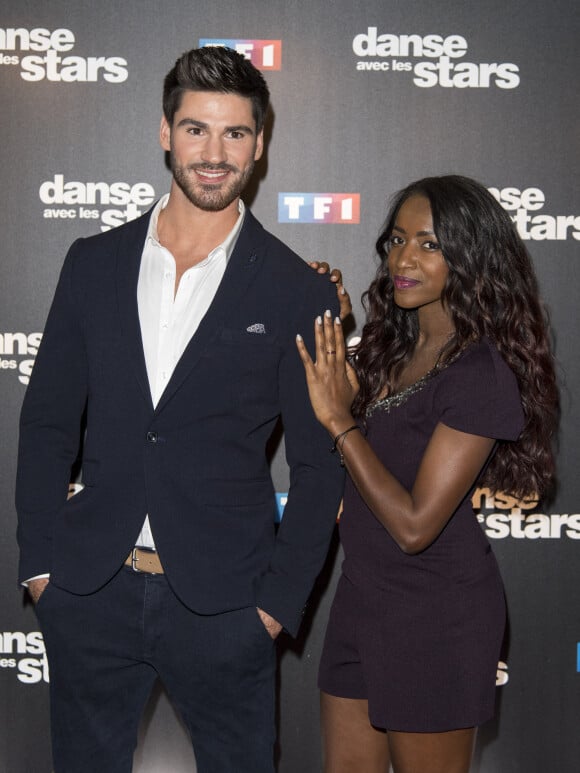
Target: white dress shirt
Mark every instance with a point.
(169, 319)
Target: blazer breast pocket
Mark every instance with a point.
(255, 334)
(245, 346)
(249, 363)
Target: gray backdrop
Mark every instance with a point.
(366, 97)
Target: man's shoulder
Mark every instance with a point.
(278, 258)
(257, 233)
(133, 231)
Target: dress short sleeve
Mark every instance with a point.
(478, 394)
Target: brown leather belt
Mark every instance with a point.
(141, 560)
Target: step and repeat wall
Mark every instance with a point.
(366, 96)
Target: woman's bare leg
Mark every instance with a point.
(449, 752)
(351, 743)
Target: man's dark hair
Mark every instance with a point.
(215, 68)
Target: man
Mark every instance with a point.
(174, 336)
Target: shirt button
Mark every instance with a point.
(152, 437)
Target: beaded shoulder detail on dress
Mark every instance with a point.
(399, 398)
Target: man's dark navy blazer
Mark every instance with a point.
(196, 464)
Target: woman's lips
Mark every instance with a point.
(404, 282)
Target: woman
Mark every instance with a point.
(451, 385)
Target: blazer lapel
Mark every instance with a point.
(241, 270)
(130, 250)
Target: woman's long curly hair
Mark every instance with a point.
(492, 291)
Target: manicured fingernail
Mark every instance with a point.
(319, 320)
(343, 290)
(337, 321)
(298, 337)
(327, 313)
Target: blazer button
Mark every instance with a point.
(152, 437)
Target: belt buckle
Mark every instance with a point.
(134, 560)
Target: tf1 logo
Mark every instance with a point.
(319, 207)
(263, 54)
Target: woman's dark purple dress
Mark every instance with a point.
(419, 635)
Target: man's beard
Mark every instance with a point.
(210, 197)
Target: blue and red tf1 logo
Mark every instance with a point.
(319, 207)
(263, 54)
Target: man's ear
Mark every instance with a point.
(259, 146)
(165, 134)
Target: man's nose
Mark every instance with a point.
(213, 150)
